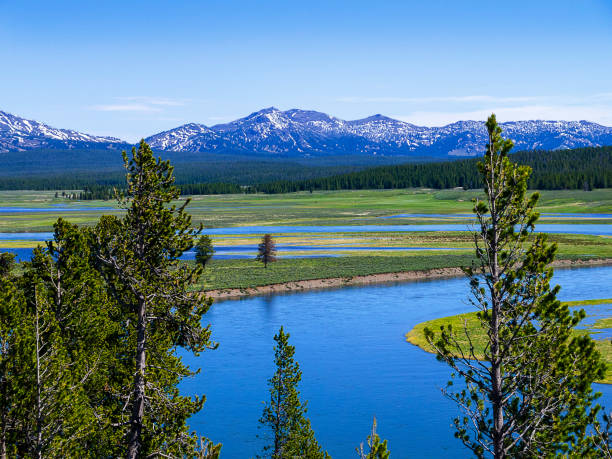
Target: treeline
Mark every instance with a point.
(580, 168)
(79, 169)
(90, 193)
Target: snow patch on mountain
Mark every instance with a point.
(18, 134)
(299, 132)
(305, 132)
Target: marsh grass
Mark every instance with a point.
(471, 323)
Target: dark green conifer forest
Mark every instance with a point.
(576, 169)
(581, 168)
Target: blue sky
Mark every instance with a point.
(134, 68)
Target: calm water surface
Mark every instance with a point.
(570, 228)
(355, 361)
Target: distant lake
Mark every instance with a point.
(355, 361)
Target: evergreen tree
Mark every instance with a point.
(53, 330)
(79, 300)
(285, 414)
(377, 449)
(7, 261)
(204, 250)
(138, 256)
(14, 361)
(533, 398)
(266, 250)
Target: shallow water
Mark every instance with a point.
(571, 228)
(578, 228)
(355, 361)
(228, 252)
(25, 254)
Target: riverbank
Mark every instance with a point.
(380, 278)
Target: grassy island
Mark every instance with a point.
(416, 336)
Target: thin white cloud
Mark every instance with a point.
(454, 99)
(125, 108)
(596, 114)
(140, 104)
(438, 111)
(163, 101)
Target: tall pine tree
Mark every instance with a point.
(533, 397)
(138, 256)
(285, 415)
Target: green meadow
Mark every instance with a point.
(363, 207)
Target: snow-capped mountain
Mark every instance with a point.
(300, 132)
(18, 134)
(296, 132)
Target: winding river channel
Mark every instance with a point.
(355, 361)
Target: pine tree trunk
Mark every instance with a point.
(496, 376)
(39, 413)
(496, 379)
(278, 427)
(4, 407)
(3, 444)
(138, 393)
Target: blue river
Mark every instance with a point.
(355, 361)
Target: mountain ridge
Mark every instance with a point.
(19, 134)
(305, 132)
(295, 132)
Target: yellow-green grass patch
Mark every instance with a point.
(477, 335)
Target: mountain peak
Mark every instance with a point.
(376, 118)
(264, 111)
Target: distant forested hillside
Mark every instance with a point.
(580, 168)
(196, 173)
(47, 169)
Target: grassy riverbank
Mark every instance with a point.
(226, 274)
(416, 336)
